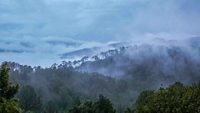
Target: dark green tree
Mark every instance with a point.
(7, 91)
(29, 100)
(86, 107)
(177, 98)
(142, 100)
(103, 105)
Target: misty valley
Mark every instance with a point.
(159, 76)
(99, 56)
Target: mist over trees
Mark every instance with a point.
(110, 83)
(176, 98)
(169, 60)
(60, 88)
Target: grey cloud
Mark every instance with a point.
(64, 43)
(79, 53)
(26, 44)
(10, 26)
(13, 51)
(101, 20)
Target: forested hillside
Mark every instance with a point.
(99, 56)
(76, 92)
(62, 87)
(117, 76)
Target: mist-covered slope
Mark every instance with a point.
(61, 87)
(120, 73)
(170, 60)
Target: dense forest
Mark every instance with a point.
(99, 56)
(144, 78)
(177, 98)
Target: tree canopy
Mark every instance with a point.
(177, 98)
(7, 92)
(102, 105)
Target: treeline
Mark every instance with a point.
(123, 75)
(176, 98)
(60, 87)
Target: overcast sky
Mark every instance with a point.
(33, 31)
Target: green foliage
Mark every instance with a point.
(7, 92)
(103, 105)
(86, 107)
(142, 100)
(9, 106)
(61, 87)
(174, 99)
(29, 100)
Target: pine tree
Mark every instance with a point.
(7, 91)
(103, 105)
